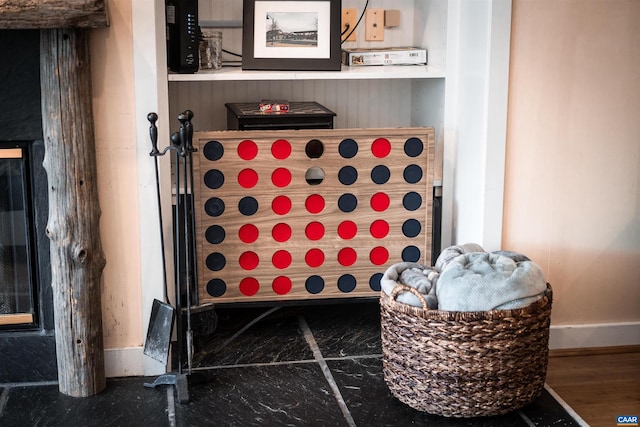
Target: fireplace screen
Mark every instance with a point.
(16, 272)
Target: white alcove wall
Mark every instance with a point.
(462, 93)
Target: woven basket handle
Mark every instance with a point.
(400, 287)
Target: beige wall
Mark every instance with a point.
(113, 109)
(572, 184)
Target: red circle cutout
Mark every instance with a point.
(281, 285)
(381, 147)
(314, 258)
(314, 203)
(281, 205)
(247, 150)
(347, 230)
(281, 177)
(248, 233)
(347, 256)
(249, 286)
(314, 231)
(281, 259)
(249, 260)
(281, 149)
(380, 202)
(379, 228)
(248, 178)
(281, 232)
(379, 255)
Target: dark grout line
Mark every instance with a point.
(4, 398)
(284, 362)
(526, 419)
(28, 384)
(247, 326)
(308, 335)
(171, 407)
(253, 365)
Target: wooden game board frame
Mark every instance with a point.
(298, 163)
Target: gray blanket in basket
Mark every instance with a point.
(415, 275)
(423, 279)
(481, 281)
(466, 278)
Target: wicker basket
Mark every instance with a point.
(464, 364)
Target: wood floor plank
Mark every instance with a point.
(599, 387)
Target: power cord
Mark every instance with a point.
(355, 26)
(232, 53)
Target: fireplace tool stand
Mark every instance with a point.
(181, 149)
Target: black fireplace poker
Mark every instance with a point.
(185, 269)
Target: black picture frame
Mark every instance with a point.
(275, 50)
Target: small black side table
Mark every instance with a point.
(301, 115)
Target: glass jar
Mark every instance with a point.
(211, 50)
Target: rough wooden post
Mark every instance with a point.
(77, 259)
(53, 13)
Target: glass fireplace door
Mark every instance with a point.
(16, 266)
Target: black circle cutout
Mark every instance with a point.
(411, 228)
(214, 179)
(348, 148)
(380, 174)
(248, 206)
(413, 147)
(412, 174)
(314, 149)
(411, 254)
(347, 202)
(216, 261)
(412, 201)
(314, 284)
(216, 287)
(374, 282)
(346, 283)
(215, 234)
(214, 206)
(348, 175)
(314, 175)
(213, 150)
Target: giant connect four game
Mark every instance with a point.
(309, 214)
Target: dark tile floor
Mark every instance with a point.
(316, 365)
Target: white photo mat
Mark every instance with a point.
(263, 8)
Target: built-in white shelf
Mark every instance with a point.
(347, 73)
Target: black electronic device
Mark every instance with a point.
(182, 35)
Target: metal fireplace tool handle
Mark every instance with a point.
(158, 338)
(181, 144)
(186, 140)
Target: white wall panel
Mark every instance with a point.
(357, 103)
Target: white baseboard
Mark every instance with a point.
(130, 362)
(594, 335)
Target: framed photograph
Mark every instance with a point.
(291, 35)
